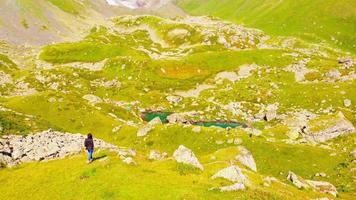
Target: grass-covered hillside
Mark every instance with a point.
(260, 104)
(331, 21)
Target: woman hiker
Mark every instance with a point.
(89, 146)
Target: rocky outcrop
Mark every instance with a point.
(321, 130)
(48, 145)
(186, 156)
(245, 157)
(323, 187)
(232, 173)
(319, 186)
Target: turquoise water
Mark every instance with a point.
(221, 124)
(148, 116)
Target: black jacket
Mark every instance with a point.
(89, 143)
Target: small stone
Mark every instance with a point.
(347, 102)
(129, 161)
(196, 129)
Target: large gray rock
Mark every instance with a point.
(245, 157)
(297, 181)
(323, 187)
(186, 156)
(232, 173)
(321, 130)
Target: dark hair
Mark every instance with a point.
(90, 136)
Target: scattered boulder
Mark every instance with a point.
(347, 102)
(293, 133)
(323, 187)
(232, 173)
(298, 182)
(234, 187)
(177, 118)
(324, 129)
(174, 99)
(320, 186)
(320, 174)
(196, 129)
(245, 157)
(186, 156)
(346, 62)
(92, 99)
(129, 161)
(148, 127)
(155, 155)
(271, 112)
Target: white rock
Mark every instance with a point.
(323, 187)
(148, 127)
(232, 173)
(196, 129)
(186, 156)
(298, 182)
(347, 102)
(155, 155)
(92, 99)
(129, 161)
(177, 118)
(271, 112)
(245, 157)
(334, 127)
(234, 187)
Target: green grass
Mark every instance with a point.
(69, 6)
(315, 20)
(69, 115)
(83, 52)
(73, 178)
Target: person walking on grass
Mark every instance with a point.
(89, 146)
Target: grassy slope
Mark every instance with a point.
(309, 19)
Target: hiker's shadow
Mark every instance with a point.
(99, 157)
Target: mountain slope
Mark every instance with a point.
(331, 20)
(45, 21)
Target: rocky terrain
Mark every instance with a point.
(180, 106)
